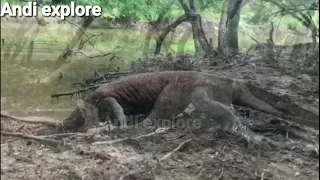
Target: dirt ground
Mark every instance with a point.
(183, 153)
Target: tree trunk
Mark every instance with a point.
(147, 41)
(228, 27)
(153, 30)
(314, 33)
(182, 42)
(197, 31)
(74, 41)
(202, 38)
(193, 22)
(223, 27)
(233, 24)
(166, 30)
(30, 53)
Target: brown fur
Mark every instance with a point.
(163, 94)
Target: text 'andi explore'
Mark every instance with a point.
(62, 11)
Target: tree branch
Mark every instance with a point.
(49, 142)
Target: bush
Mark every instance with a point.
(292, 25)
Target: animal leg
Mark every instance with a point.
(171, 102)
(223, 114)
(216, 110)
(187, 112)
(110, 107)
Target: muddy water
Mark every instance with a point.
(35, 113)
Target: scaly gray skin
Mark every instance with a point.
(164, 94)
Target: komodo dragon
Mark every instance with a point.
(168, 93)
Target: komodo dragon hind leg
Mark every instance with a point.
(170, 102)
(221, 113)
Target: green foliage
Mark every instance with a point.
(131, 9)
(292, 25)
(213, 7)
(260, 13)
(13, 2)
(140, 9)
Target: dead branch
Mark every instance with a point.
(103, 54)
(8, 117)
(254, 39)
(63, 135)
(107, 77)
(49, 142)
(158, 131)
(236, 167)
(271, 34)
(92, 84)
(88, 40)
(293, 10)
(82, 43)
(74, 41)
(84, 31)
(174, 150)
(221, 174)
(127, 175)
(79, 136)
(57, 95)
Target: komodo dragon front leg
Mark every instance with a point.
(111, 108)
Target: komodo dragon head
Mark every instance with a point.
(85, 116)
